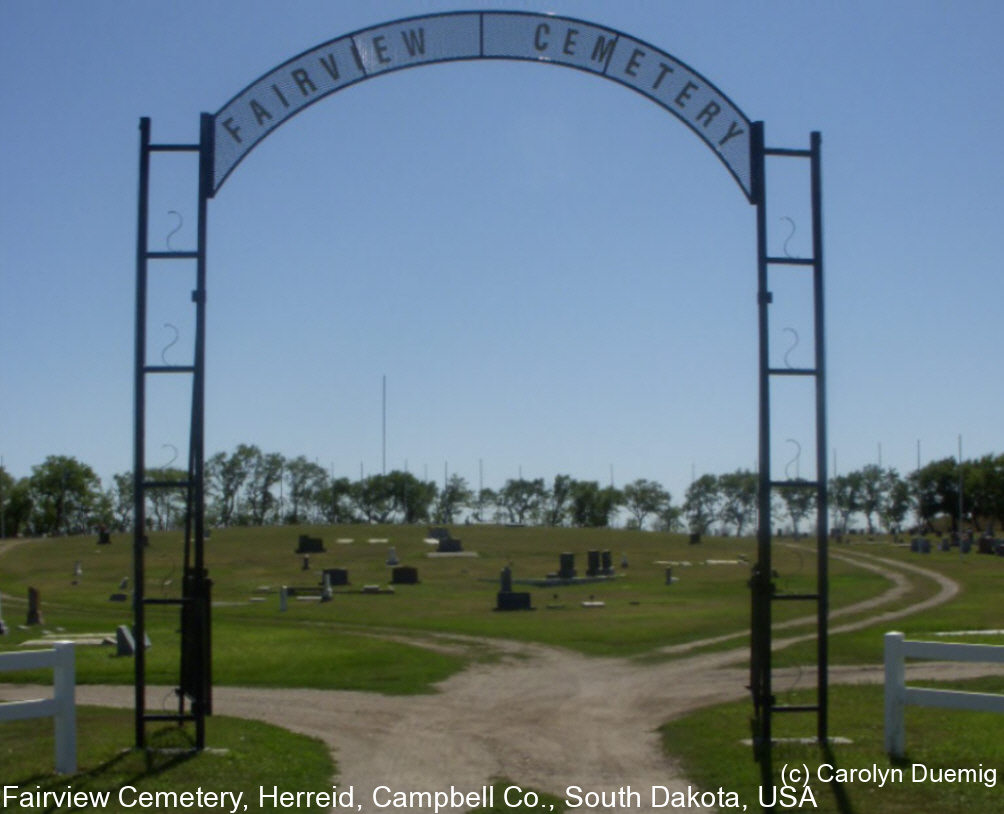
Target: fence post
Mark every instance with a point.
(64, 691)
(895, 695)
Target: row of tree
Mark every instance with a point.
(251, 487)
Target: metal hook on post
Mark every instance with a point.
(787, 240)
(794, 345)
(171, 344)
(795, 460)
(175, 230)
(174, 457)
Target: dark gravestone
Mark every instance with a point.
(336, 576)
(404, 575)
(607, 562)
(567, 569)
(447, 544)
(986, 545)
(505, 580)
(513, 600)
(34, 607)
(310, 545)
(104, 537)
(966, 546)
(593, 563)
(695, 538)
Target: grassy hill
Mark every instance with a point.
(352, 641)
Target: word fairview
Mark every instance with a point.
(127, 797)
(338, 63)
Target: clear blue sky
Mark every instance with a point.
(554, 274)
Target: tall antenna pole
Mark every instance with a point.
(384, 427)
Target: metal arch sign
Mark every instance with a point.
(227, 136)
(289, 88)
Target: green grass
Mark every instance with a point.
(708, 747)
(242, 756)
(355, 641)
(406, 642)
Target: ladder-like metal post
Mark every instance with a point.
(139, 430)
(194, 602)
(764, 591)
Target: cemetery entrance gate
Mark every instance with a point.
(227, 136)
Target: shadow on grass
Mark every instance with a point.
(839, 792)
(841, 799)
(168, 749)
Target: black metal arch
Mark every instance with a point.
(281, 93)
(226, 138)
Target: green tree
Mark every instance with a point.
(738, 491)
(556, 503)
(166, 505)
(265, 474)
(873, 493)
(225, 479)
(983, 490)
(412, 498)
(335, 501)
(700, 503)
(373, 497)
(845, 497)
(120, 496)
(670, 519)
(896, 501)
(455, 496)
(15, 504)
(936, 490)
(304, 481)
(593, 506)
(799, 498)
(64, 494)
(522, 498)
(643, 498)
(486, 505)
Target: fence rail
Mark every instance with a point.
(61, 707)
(898, 695)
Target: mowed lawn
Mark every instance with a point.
(350, 641)
(377, 641)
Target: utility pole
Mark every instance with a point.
(384, 426)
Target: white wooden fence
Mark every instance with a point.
(898, 695)
(61, 707)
